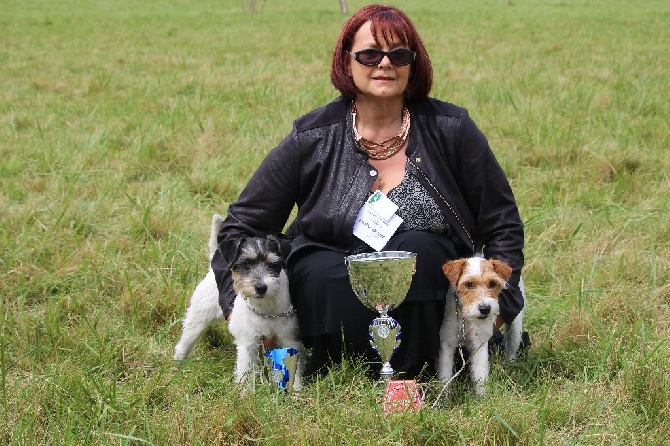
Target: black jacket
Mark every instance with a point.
(319, 167)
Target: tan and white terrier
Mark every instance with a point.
(470, 313)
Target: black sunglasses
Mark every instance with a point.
(371, 56)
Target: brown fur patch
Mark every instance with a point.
(471, 288)
(502, 269)
(453, 270)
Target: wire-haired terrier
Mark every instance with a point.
(471, 310)
(262, 312)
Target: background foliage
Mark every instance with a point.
(124, 125)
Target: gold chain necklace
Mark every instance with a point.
(388, 148)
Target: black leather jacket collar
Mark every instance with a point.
(319, 167)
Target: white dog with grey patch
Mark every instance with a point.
(262, 312)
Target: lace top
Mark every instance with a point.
(417, 208)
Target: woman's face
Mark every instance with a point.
(383, 80)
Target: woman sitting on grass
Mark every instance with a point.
(384, 133)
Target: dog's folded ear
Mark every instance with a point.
(502, 269)
(283, 244)
(453, 270)
(230, 249)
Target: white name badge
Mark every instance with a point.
(377, 221)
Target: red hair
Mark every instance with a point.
(387, 21)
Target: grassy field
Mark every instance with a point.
(124, 125)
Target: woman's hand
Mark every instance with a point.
(498, 323)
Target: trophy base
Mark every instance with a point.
(402, 395)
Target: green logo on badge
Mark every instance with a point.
(375, 197)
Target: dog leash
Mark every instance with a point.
(289, 313)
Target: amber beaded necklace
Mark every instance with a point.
(385, 149)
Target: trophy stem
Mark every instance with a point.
(382, 310)
(387, 371)
(385, 338)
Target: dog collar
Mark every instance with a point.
(289, 313)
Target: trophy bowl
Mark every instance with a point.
(381, 281)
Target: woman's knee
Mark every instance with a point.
(317, 269)
(428, 247)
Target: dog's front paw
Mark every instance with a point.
(480, 389)
(180, 354)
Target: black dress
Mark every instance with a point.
(334, 323)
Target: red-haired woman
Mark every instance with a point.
(384, 133)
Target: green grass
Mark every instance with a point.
(124, 125)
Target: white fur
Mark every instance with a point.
(204, 307)
(247, 328)
(477, 333)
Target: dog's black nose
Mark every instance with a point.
(260, 288)
(485, 309)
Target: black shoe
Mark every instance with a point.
(497, 343)
(525, 341)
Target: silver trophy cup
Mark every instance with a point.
(381, 281)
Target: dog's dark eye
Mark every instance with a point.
(493, 284)
(469, 285)
(243, 265)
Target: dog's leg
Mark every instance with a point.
(513, 337)
(448, 339)
(479, 366)
(513, 330)
(203, 309)
(247, 354)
